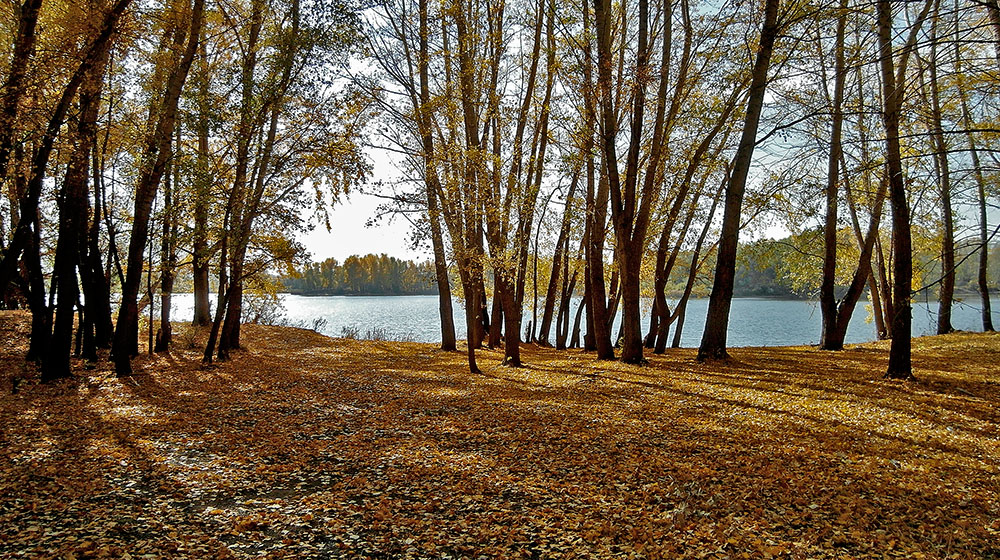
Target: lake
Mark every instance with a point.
(753, 321)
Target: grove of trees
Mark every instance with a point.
(614, 150)
(367, 275)
(640, 139)
(140, 137)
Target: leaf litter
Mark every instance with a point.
(303, 446)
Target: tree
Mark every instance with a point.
(713, 342)
(14, 86)
(200, 251)
(73, 221)
(183, 43)
(827, 298)
(946, 293)
(977, 169)
(598, 335)
(631, 204)
(28, 203)
(893, 81)
(292, 132)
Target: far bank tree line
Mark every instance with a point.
(363, 275)
(614, 142)
(776, 268)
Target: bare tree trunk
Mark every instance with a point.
(200, 254)
(559, 260)
(680, 310)
(168, 256)
(892, 95)
(41, 313)
(71, 243)
(586, 301)
(421, 104)
(445, 310)
(155, 156)
(827, 297)
(664, 265)
(473, 234)
(562, 318)
(598, 334)
(885, 287)
(98, 325)
(630, 204)
(496, 327)
(946, 294)
(241, 197)
(713, 342)
(837, 315)
(984, 247)
(874, 291)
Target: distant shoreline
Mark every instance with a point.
(322, 294)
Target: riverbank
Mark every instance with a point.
(304, 446)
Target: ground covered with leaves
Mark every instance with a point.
(304, 446)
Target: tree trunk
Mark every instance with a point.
(574, 341)
(168, 259)
(827, 297)
(680, 310)
(885, 287)
(98, 324)
(892, 95)
(984, 238)
(496, 328)
(71, 243)
(598, 334)
(445, 310)
(946, 294)
(562, 243)
(512, 323)
(562, 318)
(41, 313)
(432, 184)
(630, 205)
(713, 342)
(241, 196)
(14, 86)
(874, 291)
(156, 153)
(200, 254)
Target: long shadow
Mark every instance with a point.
(493, 458)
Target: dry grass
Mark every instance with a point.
(305, 446)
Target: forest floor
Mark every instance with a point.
(304, 446)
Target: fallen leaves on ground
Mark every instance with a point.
(304, 446)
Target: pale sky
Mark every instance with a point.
(350, 236)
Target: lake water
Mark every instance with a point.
(753, 321)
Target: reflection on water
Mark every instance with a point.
(753, 322)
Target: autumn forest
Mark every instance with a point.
(617, 144)
(629, 155)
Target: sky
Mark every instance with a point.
(349, 234)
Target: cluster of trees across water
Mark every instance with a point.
(550, 148)
(765, 268)
(378, 275)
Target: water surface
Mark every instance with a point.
(753, 321)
